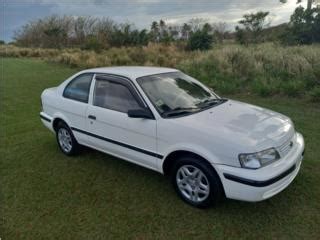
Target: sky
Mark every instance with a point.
(16, 13)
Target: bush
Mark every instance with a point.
(264, 69)
(293, 88)
(315, 94)
(92, 43)
(263, 89)
(225, 87)
(200, 40)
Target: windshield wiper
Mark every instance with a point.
(179, 111)
(211, 102)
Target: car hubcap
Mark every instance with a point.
(192, 183)
(65, 140)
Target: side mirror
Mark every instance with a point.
(140, 113)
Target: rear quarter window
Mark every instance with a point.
(78, 89)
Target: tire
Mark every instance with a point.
(196, 182)
(66, 141)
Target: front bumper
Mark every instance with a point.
(257, 185)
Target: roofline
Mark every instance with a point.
(103, 70)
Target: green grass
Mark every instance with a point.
(46, 195)
(266, 69)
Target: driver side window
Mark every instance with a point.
(114, 96)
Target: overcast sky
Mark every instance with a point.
(15, 13)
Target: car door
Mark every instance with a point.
(110, 128)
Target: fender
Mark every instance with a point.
(196, 149)
(62, 117)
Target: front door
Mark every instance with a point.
(110, 128)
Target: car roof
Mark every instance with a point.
(132, 72)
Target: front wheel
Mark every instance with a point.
(66, 141)
(196, 182)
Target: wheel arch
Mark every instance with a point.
(174, 156)
(59, 118)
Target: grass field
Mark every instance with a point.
(46, 195)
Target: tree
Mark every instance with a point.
(242, 36)
(304, 26)
(155, 32)
(200, 39)
(83, 27)
(103, 30)
(84, 32)
(143, 37)
(164, 35)
(185, 31)
(163, 28)
(207, 28)
(53, 32)
(219, 31)
(196, 24)
(309, 5)
(174, 32)
(253, 24)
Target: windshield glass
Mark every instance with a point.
(176, 93)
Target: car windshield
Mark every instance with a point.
(176, 93)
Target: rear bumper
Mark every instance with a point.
(46, 120)
(257, 185)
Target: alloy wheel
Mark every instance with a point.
(192, 183)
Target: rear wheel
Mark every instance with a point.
(196, 182)
(66, 141)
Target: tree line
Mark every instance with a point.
(102, 33)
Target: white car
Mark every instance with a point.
(164, 120)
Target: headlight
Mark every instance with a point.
(259, 159)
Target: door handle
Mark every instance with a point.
(92, 117)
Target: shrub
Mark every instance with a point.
(137, 55)
(226, 87)
(293, 88)
(200, 40)
(264, 69)
(315, 94)
(92, 43)
(263, 89)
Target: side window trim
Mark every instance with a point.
(72, 80)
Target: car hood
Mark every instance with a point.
(246, 127)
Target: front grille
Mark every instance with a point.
(285, 148)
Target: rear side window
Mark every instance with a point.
(78, 89)
(114, 96)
